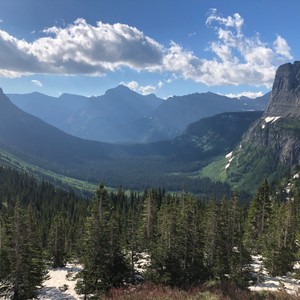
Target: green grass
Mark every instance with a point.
(215, 170)
(9, 160)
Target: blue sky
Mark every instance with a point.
(85, 47)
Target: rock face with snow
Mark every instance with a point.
(285, 97)
(272, 144)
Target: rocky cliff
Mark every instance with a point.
(271, 147)
(285, 97)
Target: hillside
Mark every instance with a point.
(271, 147)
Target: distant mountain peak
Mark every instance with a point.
(119, 89)
(285, 97)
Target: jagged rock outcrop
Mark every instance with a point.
(285, 97)
(271, 147)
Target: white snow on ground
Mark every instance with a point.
(271, 119)
(278, 283)
(59, 277)
(228, 156)
(53, 287)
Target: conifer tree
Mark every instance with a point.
(280, 240)
(103, 261)
(148, 220)
(57, 251)
(27, 267)
(258, 218)
(4, 258)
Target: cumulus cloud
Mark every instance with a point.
(237, 59)
(82, 48)
(36, 83)
(249, 94)
(144, 90)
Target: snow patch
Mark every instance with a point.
(269, 283)
(271, 119)
(227, 166)
(61, 284)
(229, 158)
(229, 155)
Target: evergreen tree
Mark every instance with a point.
(27, 267)
(4, 258)
(258, 218)
(148, 220)
(57, 251)
(103, 261)
(280, 240)
(226, 257)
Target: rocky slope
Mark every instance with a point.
(271, 147)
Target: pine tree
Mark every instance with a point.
(57, 251)
(258, 218)
(280, 240)
(148, 220)
(5, 285)
(102, 257)
(226, 257)
(27, 266)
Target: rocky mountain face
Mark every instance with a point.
(285, 97)
(271, 147)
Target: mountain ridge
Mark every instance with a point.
(124, 116)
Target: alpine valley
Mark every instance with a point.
(208, 126)
(230, 141)
(186, 226)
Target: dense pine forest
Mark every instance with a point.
(185, 240)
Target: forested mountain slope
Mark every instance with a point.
(170, 163)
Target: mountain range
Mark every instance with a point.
(170, 163)
(234, 149)
(124, 116)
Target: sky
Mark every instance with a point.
(165, 47)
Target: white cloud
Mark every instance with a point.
(248, 94)
(82, 48)
(36, 83)
(282, 48)
(236, 21)
(160, 84)
(144, 90)
(237, 59)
